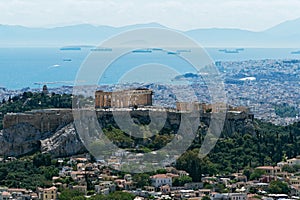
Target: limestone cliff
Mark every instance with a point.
(24, 139)
(65, 142)
(60, 139)
(19, 139)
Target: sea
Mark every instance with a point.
(34, 67)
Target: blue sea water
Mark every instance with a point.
(24, 67)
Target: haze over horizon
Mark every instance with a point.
(253, 15)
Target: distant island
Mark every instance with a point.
(76, 47)
(295, 52)
(70, 48)
(187, 76)
(231, 50)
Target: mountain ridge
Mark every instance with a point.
(285, 34)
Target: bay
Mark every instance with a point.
(33, 67)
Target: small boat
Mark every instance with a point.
(184, 51)
(54, 66)
(67, 60)
(157, 49)
(70, 49)
(142, 51)
(231, 51)
(101, 49)
(173, 53)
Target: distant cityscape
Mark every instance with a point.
(261, 85)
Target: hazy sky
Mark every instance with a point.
(180, 14)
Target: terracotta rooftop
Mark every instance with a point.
(5, 193)
(268, 167)
(160, 176)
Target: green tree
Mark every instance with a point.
(289, 169)
(23, 173)
(247, 173)
(180, 181)
(278, 187)
(205, 198)
(257, 173)
(141, 180)
(79, 198)
(68, 194)
(42, 160)
(190, 162)
(114, 196)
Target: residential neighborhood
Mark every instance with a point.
(78, 173)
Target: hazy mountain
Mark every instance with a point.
(77, 34)
(288, 28)
(286, 34)
(226, 37)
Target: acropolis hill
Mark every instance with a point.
(53, 131)
(139, 100)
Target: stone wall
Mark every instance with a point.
(52, 130)
(208, 108)
(47, 120)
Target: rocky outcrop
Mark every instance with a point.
(62, 140)
(19, 139)
(63, 143)
(241, 126)
(22, 139)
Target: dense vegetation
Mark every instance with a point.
(75, 195)
(285, 110)
(278, 187)
(269, 145)
(28, 172)
(30, 101)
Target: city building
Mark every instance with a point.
(290, 162)
(229, 196)
(160, 180)
(47, 193)
(81, 188)
(5, 196)
(295, 180)
(270, 170)
(123, 99)
(105, 187)
(294, 161)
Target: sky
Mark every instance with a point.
(254, 15)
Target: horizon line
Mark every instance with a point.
(146, 23)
